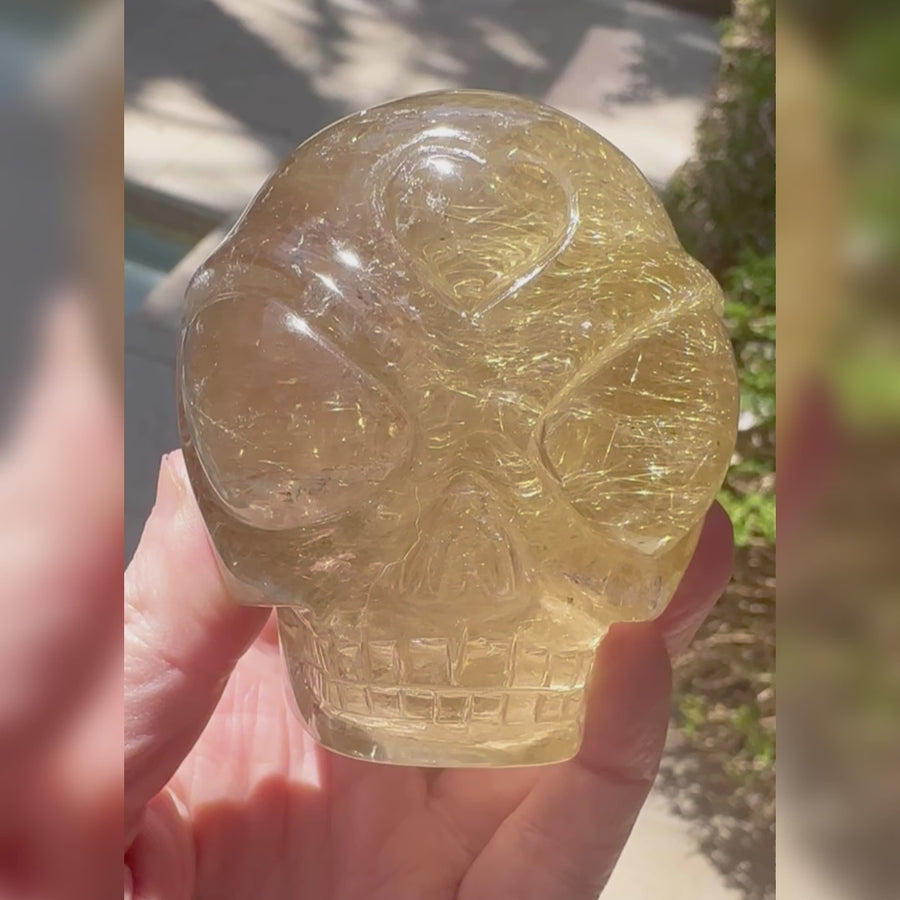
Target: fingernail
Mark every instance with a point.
(170, 488)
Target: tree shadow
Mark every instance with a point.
(701, 792)
(283, 71)
(707, 774)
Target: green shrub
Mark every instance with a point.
(722, 201)
(750, 316)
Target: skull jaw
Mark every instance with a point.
(409, 742)
(494, 703)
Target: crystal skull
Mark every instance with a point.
(454, 399)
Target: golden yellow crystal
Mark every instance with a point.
(454, 399)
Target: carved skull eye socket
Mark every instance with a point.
(637, 446)
(288, 431)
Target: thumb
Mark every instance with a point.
(183, 636)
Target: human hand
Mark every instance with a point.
(227, 796)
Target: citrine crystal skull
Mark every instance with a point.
(454, 400)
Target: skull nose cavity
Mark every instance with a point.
(466, 547)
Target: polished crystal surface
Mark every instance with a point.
(453, 398)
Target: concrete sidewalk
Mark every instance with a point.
(217, 92)
(662, 861)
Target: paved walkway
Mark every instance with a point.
(217, 92)
(662, 861)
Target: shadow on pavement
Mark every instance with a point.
(285, 70)
(708, 774)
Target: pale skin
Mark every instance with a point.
(226, 796)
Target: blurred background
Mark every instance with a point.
(61, 461)
(53, 124)
(216, 92)
(839, 436)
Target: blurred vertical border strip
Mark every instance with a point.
(61, 70)
(84, 86)
(839, 447)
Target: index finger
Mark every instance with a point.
(183, 636)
